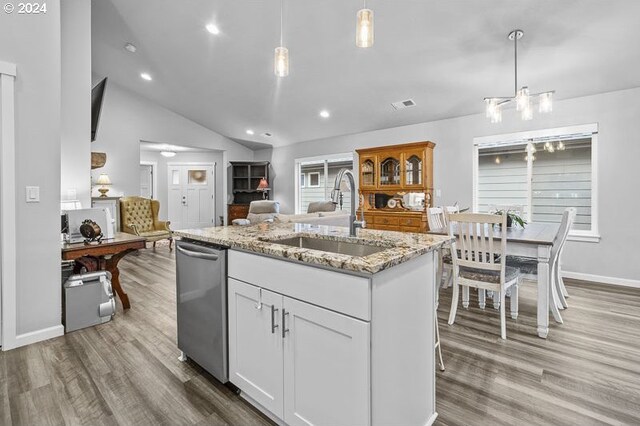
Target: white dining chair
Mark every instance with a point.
(556, 272)
(479, 261)
(436, 220)
(529, 266)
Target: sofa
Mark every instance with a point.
(269, 211)
(336, 218)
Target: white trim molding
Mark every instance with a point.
(600, 279)
(39, 335)
(8, 264)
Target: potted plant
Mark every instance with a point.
(512, 217)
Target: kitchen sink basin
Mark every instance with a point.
(331, 246)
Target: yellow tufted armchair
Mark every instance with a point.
(139, 216)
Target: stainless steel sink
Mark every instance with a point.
(331, 246)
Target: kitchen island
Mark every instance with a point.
(330, 329)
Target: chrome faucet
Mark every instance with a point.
(354, 224)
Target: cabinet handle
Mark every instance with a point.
(273, 320)
(284, 328)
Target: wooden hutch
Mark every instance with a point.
(389, 171)
(245, 177)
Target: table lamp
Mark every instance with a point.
(263, 186)
(103, 180)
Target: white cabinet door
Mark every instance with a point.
(326, 367)
(255, 344)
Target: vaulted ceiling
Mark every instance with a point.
(444, 54)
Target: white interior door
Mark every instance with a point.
(146, 181)
(190, 190)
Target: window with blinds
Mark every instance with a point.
(543, 176)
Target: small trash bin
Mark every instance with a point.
(88, 300)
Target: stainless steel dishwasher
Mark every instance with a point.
(201, 294)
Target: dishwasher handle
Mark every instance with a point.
(190, 253)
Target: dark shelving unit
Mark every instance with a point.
(245, 178)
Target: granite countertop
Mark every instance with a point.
(401, 246)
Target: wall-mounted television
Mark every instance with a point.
(97, 95)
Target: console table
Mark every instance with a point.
(109, 252)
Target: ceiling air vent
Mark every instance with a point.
(267, 134)
(408, 103)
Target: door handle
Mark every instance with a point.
(284, 328)
(273, 319)
(198, 255)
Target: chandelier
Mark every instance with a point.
(522, 97)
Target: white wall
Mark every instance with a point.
(128, 119)
(617, 114)
(33, 44)
(75, 142)
(161, 193)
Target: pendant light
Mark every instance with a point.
(522, 97)
(281, 56)
(364, 27)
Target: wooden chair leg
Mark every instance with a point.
(554, 303)
(438, 345)
(454, 303)
(449, 281)
(482, 298)
(465, 297)
(496, 299)
(503, 319)
(170, 242)
(561, 290)
(154, 245)
(514, 300)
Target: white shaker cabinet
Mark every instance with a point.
(326, 368)
(302, 363)
(255, 344)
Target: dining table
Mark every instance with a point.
(534, 241)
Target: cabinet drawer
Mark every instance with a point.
(385, 227)
(386, 220)
(411, 221)
(337, 291)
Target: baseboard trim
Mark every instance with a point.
(432, 419)
(37, 336)
(625, 282)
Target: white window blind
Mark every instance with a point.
(543, 175)
(502, 178)
(562, 179)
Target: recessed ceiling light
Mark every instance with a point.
(250, 132)
(130, 47)
(145, 76)
(213, 29)
(168, 154)
(324, 113)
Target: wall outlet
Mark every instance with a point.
(438, 193)
(33, 194)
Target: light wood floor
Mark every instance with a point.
(127, 371)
